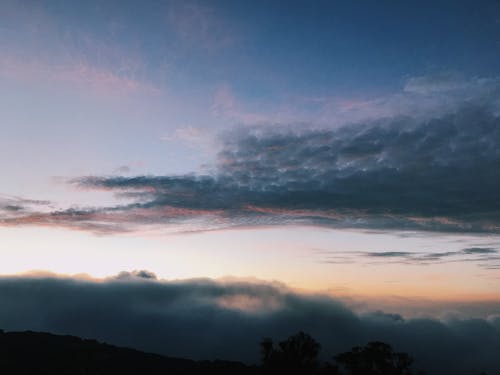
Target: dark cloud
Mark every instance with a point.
(137, 274)
(209, 319)
(436, 174)
(479, 250)
(13, 204)
(11, 207)
(389, 254)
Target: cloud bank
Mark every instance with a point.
(213, 319)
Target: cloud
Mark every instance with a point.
(13, 205)
(422, 98)
(203, 318)
(199, 139)
(479, 250)
(49, 51)
(77, 74)
(443, 82)
(389, 254)
(137, 274)
(435, 175)
(486, 258)
(396, 173)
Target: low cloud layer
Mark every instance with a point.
(436, 172)
(213, 319)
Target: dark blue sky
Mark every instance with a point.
(271, 49)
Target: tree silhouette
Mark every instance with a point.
(376, 358)
(295, 355)
(298, 354)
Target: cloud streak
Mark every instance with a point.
(486, 258)
(190, 318)
(19, 206)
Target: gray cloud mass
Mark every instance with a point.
(437, 172)
(436, 175)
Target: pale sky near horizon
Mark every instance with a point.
(350, 147)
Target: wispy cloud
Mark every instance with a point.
(479, 250)
(48, 51)
(423, 98)
(486, 258)
(76, 74)
(437, 83)
(13, 205)
(200, 139)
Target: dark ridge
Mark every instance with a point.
(44, 353)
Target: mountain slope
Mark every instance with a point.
(43, 353)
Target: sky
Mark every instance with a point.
(342, 149)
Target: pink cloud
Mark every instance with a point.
(79, 75)
(44, 51)
(116, 221)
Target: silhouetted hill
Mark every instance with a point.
(43, 353)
